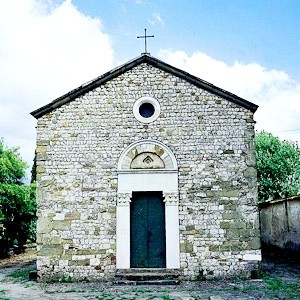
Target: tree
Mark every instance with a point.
(17, 201)
(33, 169)
(278, 167)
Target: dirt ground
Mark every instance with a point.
(280, 280)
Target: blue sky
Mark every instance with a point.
(49, 47)
(266, 32)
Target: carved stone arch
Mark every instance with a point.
(147, 160)
(163, 153)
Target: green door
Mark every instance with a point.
(147, 230)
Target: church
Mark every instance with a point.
(146, 167)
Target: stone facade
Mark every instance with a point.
(80, 138)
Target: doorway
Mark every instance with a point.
(147, 230)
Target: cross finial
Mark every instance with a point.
(145, 37)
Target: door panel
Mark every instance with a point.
(147, 230)
(138, 233)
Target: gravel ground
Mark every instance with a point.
(281, 280)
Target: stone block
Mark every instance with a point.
(253, 257)
(214, 248)
(72, 216)
(225, 247)
(231, 193)
(54, 240)
(59, 217)
(250, 172)
(81, 262)
(254, 243)
(50, 250)
(190, 227)
(230, 207)
(84, 251)
(94, 261)
(186, 247)
(62, 225)
(42, 156)
(40, 169)
(41, 149)
(238, 225)
(233, 233)
(225, 225)
(44, 225)
(230, 216)
(63, 263)
(43, 142)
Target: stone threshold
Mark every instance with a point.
(147, 276)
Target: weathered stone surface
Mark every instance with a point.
(44, 225)
(79, 145)
(186, 247)
(51, 250)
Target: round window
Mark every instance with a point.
(146, 109)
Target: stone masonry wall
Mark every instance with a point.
(78, 147)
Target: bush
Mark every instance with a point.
(17, 202)
(278, 167)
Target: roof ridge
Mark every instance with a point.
(143, 58)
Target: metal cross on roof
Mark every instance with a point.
(145, 37)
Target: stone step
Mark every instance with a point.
(139, 276)
(147, 282)
(149, 270)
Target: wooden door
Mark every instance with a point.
(147, 230)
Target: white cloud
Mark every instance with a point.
(277, 95)
(46, 50)
(156, 19)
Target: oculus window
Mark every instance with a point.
(146, 109)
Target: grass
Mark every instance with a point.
(3, 296)
(280, 288)
(106, 296)
(20, 276)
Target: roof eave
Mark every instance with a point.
(203, 84)
(144, 58)
(86, 87)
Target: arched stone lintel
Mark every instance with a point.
(148, 145)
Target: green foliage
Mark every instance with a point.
(282, 289)
(17, 201)
(278, 167)
(33, 169)
(3, 295)
(20, 275)
(12, 168)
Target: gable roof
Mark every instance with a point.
(144, 58)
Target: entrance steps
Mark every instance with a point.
(149, 276)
